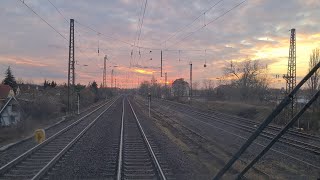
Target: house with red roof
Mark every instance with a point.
(9, 106)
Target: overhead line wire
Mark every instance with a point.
(59, 11)
(191, 22)
(215, 19)
(44, 20)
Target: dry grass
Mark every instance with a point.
(251, 111)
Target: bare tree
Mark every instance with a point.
(314, 81)
(195, 86)
(250, 77)
(208, 86)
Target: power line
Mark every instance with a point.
(44, 20)
(107, 36)
(138, 25)
(144, 11)
(59, 11)
(184, 27)
(79, 48)
(215, 19)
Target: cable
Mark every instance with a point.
(59, 11)
(215, 19)
(144, 11)
(138, 25)
(192, 21)
(44, 20)
(109, 37)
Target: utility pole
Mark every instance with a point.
(104, 81)
(165, 80)
(190, 93)
(165, 84)
(112, 78)
(71, 67)
(291, 76)
(115, 83)
(161, 63)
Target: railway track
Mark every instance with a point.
(37, 161)
(289, 140)
(136, 158)
(204, 121)
(251, 122)
(199, 139)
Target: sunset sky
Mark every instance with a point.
(256, 29)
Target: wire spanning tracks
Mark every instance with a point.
(137, 159)
(35, 163)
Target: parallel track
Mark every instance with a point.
(251, 122)
(313, 148)
(36, 162)
(198, 138)
(209, 123)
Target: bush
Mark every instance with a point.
(43, 107)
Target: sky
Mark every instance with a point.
(211, 32)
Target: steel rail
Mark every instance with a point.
(45, 169)
(120, 145)
(246, 120)
(244, 138)
(23, 156)
(148, 144)
(266, 134)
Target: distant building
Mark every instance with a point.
(6, 92)
(9, 107)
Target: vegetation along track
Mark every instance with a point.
(249, 127)
(137, 158)
(37, 161)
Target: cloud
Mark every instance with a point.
(255, 30)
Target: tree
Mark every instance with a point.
(208, 86)
(144, 88)
(94, 86)
(53, 84)
(250, 77)
(314, 81)
(10, 79)
(46, 84)
(195, 86)
(79, 87)
(180, 87)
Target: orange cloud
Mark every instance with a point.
(142, 71)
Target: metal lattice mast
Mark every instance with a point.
(71, 67)
(104, 81)
(291, 75)
(190, 93)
